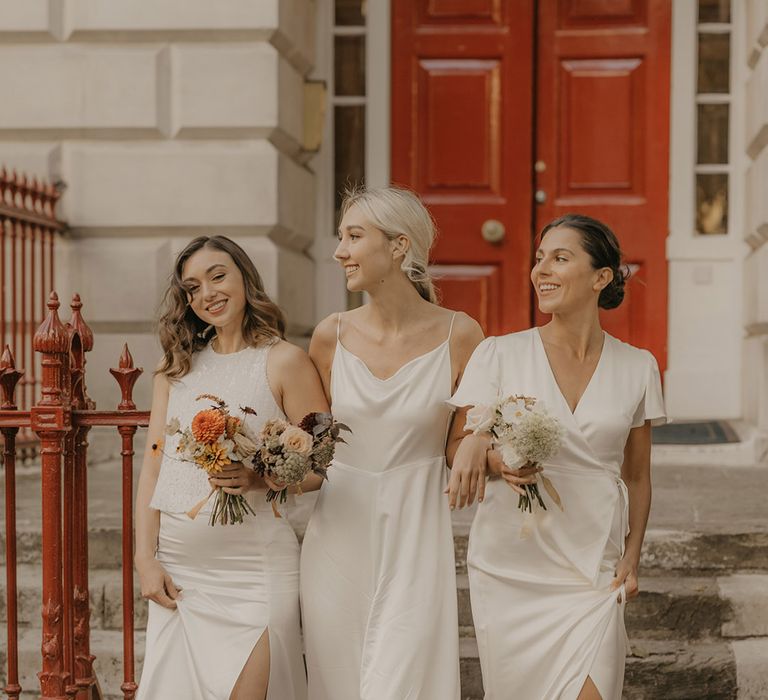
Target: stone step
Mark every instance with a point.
(105, 587)
(672, 670)
(685, 553)
(733, 606)
(656, 670)
(106, 646)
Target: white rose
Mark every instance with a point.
(512, 411)
(480, 419)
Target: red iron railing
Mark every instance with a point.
(28, 231)
(61, 419)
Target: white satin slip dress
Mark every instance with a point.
(378, 584)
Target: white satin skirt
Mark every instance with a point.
(540, 637)
(378, 587)
(238, 581)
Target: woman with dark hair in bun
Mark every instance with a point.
(548, 589)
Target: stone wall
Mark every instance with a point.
(165, 119)
(756, 228)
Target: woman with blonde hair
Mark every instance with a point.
(378, 582)
(224, 600)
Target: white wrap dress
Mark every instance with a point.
(238, 581)
(378, 585)
(544, 616)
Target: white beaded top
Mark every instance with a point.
(240, 379)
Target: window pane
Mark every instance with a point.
(714, 53)
(712, 203)
(349, 62)
(714, 10)
(350, 12)
(713, 134)
(349, 145)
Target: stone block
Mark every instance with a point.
(756, 381)
(746, 595)
(756, 24)
(296, 35)
(751, 676)
(756, 286)
(756, 205)
(121, 280)
(64, 88)
(244, 87)
(296, 294)
(296, 206)
(171, 184)
(31, 158)
(171, 15)
(30, 16)
(698, 382)
(757, 107)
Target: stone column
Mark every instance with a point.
(756, 228)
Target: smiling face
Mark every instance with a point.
(366, 254)
(215, 288)
(564, 277)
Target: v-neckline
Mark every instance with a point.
(554, 378)
(399, 369)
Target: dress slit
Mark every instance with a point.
(264, 634)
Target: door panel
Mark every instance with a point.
(461, 137)
(603, 140)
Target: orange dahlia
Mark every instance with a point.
(209, 425)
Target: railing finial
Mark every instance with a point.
(126, 375)
(78, 323)
(51, 336)
(9, 378)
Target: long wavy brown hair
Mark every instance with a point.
(183, 333)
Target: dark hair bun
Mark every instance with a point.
(613, 294)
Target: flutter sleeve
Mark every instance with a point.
(651, 405)
(480, 382)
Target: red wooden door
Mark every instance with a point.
(602, 142)
(462, 86)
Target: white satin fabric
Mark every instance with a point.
(544, 616)
(238, 581)
(378, 584)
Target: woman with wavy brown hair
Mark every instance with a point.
(223, 600)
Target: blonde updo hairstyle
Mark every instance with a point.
(399, 212)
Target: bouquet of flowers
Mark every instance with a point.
(524, 433)
(214, 439)
(288, 453)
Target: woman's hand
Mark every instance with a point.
(626, 573)
(468, 472)
(515, 478)
(156, 583)
(237, 479)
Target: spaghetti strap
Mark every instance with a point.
(450, 329)
(338, 326)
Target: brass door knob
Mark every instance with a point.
(493, 231)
